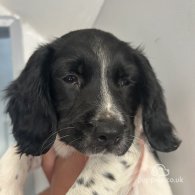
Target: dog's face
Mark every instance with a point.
(87, 87)
(95, 91)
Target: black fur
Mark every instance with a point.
(156, 123)
(30, 105)
(43, 101)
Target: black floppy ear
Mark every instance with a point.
(30, 105)
(156, 124)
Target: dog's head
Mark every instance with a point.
(87, 87)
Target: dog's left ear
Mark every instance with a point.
(157, 127)
(30, 105)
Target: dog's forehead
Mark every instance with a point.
(89, 40)
(95, 49)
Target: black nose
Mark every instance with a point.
(108, 132)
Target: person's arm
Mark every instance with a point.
(62, 173)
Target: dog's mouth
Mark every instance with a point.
(84, 142)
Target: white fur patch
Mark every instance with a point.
(14, 170)
(108, 108)
(62, 149)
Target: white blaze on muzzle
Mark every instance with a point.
(107, 108)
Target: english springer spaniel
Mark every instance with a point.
(89, 91)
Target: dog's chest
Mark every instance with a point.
(104, 174)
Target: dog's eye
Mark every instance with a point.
(123, 82)
(71, 79)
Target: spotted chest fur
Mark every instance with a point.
(102, 175)
(107, 174)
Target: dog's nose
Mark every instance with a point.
(107, 138)
(108, 132)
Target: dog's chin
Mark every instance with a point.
(87, 146)
(91, 149)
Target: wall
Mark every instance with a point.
(54, 18)
(5, 77)
(166, 29)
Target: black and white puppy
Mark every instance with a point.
(87, 89)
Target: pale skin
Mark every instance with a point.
(62, 173)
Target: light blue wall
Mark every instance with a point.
(6, 76)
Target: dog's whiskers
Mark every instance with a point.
(71, 127)
(74, 140)
(50, 136)
(43, 145)
(48, 145)
(133, 149)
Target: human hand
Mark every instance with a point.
(62, 173)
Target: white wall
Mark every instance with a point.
(166, 29)
(52, 18)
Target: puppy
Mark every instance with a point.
(89, 91)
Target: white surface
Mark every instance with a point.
(167, 31)
(53, 18)
(31, 38)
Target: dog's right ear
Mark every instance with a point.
(30, 105)
(156, 124)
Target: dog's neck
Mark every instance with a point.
(138, 166)
(134, 156)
